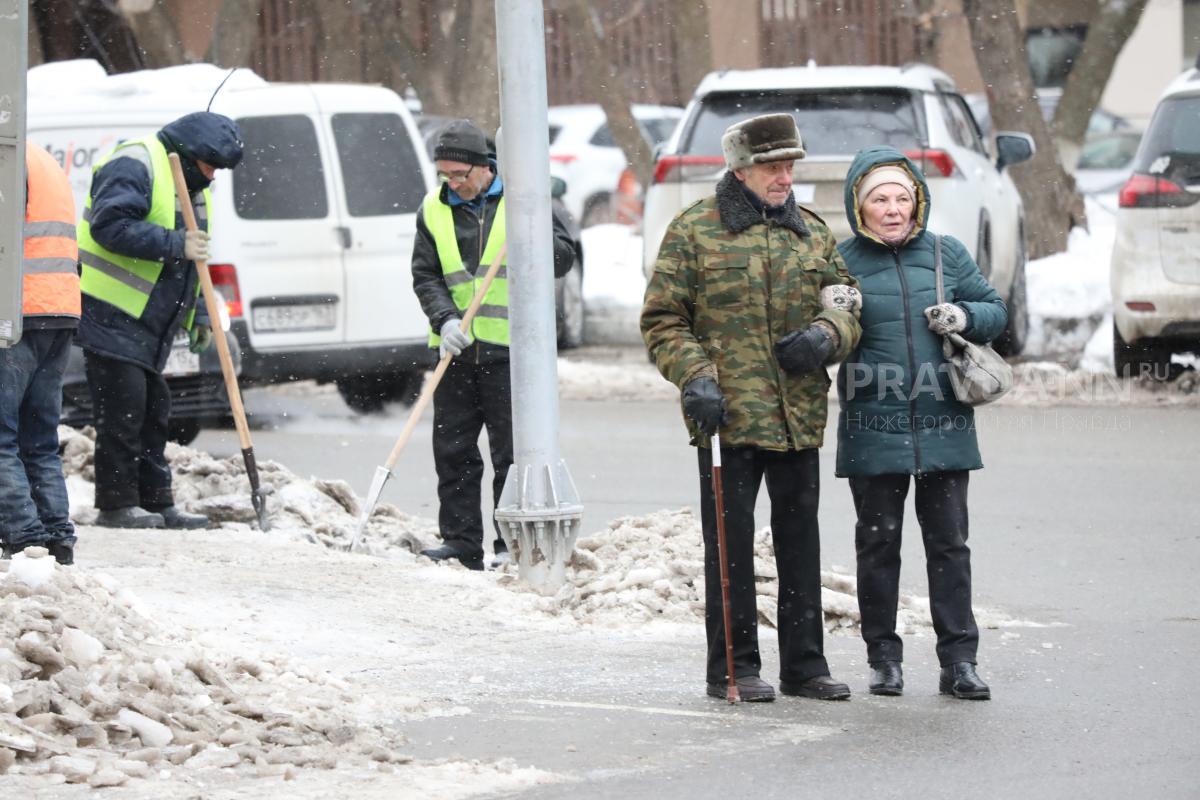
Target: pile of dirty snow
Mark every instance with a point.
(651, 568)
(93, 690)
(1046, 383)
(321, 511)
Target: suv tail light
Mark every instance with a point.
(1150, 191)
(676, 169)
(224, 279)
(627, 201)
(938, 159)
(563, 158)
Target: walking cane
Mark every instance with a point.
(257, 498)
(731, 693)
(382, 473)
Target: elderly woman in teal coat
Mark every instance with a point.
(900, 424)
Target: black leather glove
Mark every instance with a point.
(704, 404)
(806, 350)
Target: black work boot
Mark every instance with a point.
(751, 689)
(177, 519)
(887, 678)
(129, 517)
(961, 681)
(818, 687)
(446, 552)
(63, 552)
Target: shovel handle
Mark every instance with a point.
(444, 364)
(214, 311)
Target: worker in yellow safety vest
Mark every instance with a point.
(460, 229)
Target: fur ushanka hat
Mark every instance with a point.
(759, 140)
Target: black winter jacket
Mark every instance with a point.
(472, 230)
(121, 195)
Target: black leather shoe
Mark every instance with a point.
(961, 681)
(63, 553)
(177, 519)
(446, 552)
(887, 678)
(751, 689)
(818, 687)
(129, 517)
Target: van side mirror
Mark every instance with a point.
(1013, 148)
(558, 187)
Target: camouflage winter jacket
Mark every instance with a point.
(728, 284)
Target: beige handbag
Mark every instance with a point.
(978, 374)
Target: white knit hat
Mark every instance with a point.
(885, 173)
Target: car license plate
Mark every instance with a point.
(805, 192)
(308, 317)
(181, 361)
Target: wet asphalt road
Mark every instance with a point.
(1086, 521)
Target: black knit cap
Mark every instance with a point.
(462, 141)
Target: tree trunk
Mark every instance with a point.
(236, 32)
(157, 37)
(1051, 203)
(693, 50)
(85, 29)
(604, 83)
(1113, 24)
(473, 76)
(339, 38)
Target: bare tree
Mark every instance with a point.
(693, 50)
(86, 29)
(235, 33)
(157, 36)
(1108, 30)
(604, 83)
(1052, 205)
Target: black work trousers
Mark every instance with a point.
(942, 514)
(131, 406)
(469, 397)
(793, 484)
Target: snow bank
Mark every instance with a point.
(94, 691)
(613, 284)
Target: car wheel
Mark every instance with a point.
(597, 211)
(1140, 359)
(570, 309)
(367, 394)
(1012, 341)
(183, 430)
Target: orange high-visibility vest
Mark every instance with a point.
(51, 282)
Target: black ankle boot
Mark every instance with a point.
(887, 678)
(961, 681)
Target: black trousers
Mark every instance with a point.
(131, 406)
(470, 397)
(942, 513)
(793, 484)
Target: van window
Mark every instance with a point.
(380, 169)
(281, 175)
(832, 121)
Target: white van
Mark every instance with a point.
(312, 233)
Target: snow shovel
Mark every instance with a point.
(731, 693)
(382, 473)
(257, 498)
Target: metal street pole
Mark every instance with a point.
(539, 510)
(13, 64)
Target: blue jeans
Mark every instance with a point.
(33, 494)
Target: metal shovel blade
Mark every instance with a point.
(257, 498)
(377, 481)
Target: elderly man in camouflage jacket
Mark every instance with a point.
(748, 303)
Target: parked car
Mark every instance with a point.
(584, 154)
(568, 290)
(307, 232)
(839, 111)
(1156, 257)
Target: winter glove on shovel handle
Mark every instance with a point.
(199, 338)
(454, 339)
(946, 318)
(704, 404)
(195, 245)
(806, 350)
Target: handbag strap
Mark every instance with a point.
(937, 268)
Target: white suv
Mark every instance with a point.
(841, 110)
(1156, 257)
